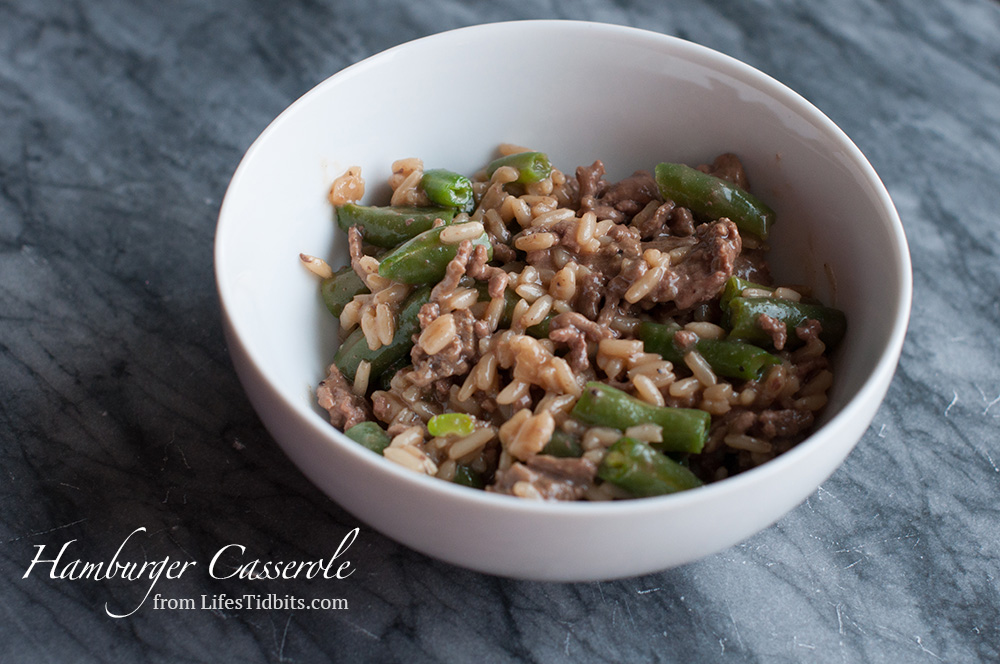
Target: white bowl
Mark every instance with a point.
(578, 91)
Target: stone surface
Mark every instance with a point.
(122, 123)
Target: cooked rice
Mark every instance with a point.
(471, 443)
(535, 242)
(647, 390)
(748, 443)
(458, 233)
(348, 188)
(600, 437)
(438, 334)
(361, 377)
(645, 284)
(685, 387)
(648, 432)
(317, 266)
(706, 330)
(787, 294)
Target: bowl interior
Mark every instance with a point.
(579, 92)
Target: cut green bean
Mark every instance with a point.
(531, 166)
(745, 313)
(369, 435)
(388, 227)
(354, 349)
(684, 429)
(424, 258)
(563, 445)
(713, 197)
(643, 471)
(728, 358)
(340, 289)
(384, 380)
(447, 424)
(447, 189)
(734, 288)
(466, 476)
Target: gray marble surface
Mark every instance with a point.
(121, 125)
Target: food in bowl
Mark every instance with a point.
(570, 338)
(685, 103)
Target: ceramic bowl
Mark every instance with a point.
(577, 91)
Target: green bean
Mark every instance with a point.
(388, 227)
(451, 423)
(424, 258)
(684, 429)
(562, 444)
(713, 197)
(731, 359)
(745, 313)
(642, 471)
(447, 189)
(384, 380)
(369, 435)
(466, 476)
(340, 289)
(354, 349)
(734, 288)
(531, 166)
(541, 330)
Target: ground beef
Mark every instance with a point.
(776, 328)
(565, 232)
(704, 269)
(404, 422)
(452, 275)
(623, 199)
(632, 194)
(766, 424)
(589, 293)
(455, 359)
(631, 270)
(495, 277)
(503, 253)
(355, 248)
(625, 240)
(685, 340)
(382, 406)
(591, 184)
(575, 330)
(666, 221)
(728, 167)
(682, 222)
(619, 201)
(809, 330)
(651, 225)
(625, 243)
(336, 397)
(471, 261)
(739, 421)
(782, 423)
(552, 477)
(385, 411)
(751, 265)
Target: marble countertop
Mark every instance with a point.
(122, 124)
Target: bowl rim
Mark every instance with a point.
(748, 75)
